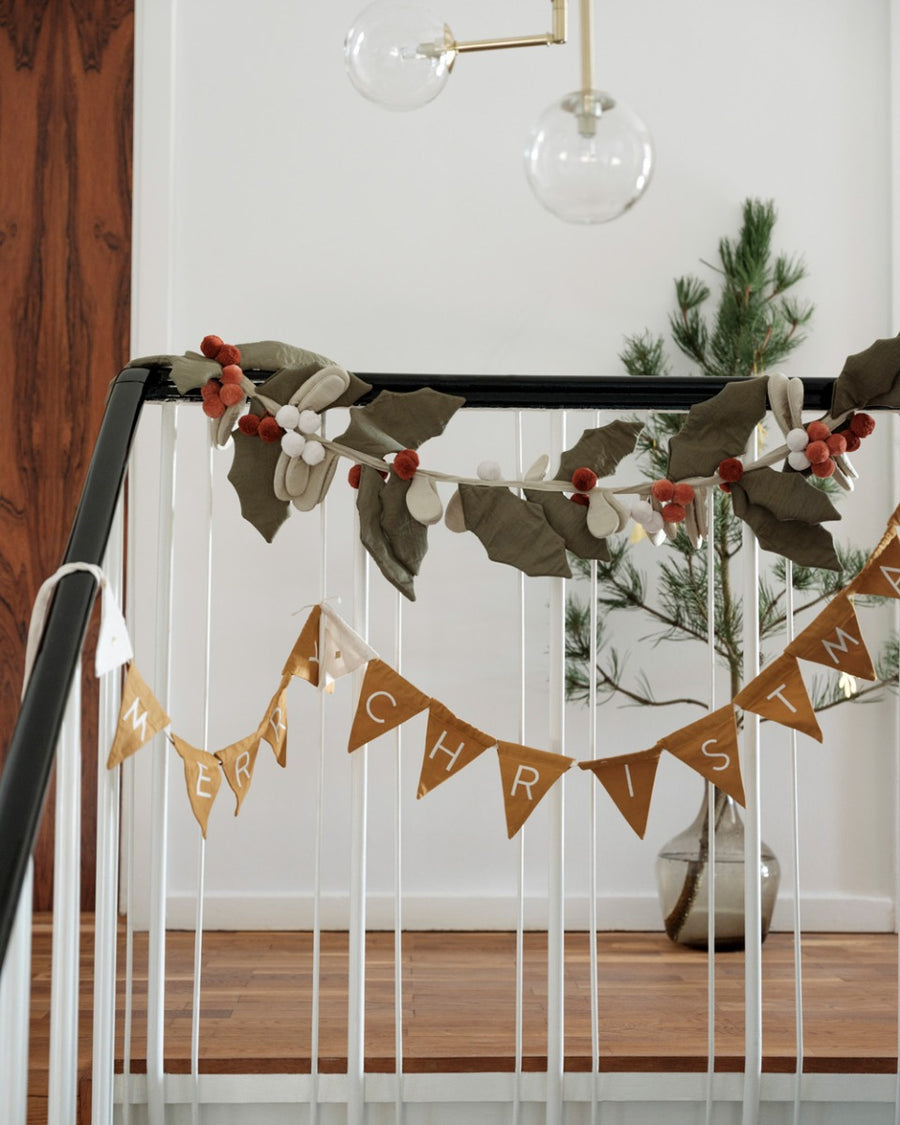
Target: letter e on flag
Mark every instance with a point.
(202, 778)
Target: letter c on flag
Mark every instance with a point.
(375, 695)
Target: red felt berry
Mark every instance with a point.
(731, 470)
(355, 475)
(862, 424)
(663, 490)
(213, 407)
(837, 443)
(231, 394)
(405, 464)
(579, 498)
(823, 468)
(228, 354)
(210, 345)
(584, 479)
(817, 431)
(817, 452)
(210, 389)
(725, 486)
(852, 440)
(231, 373)
(682, 494)
(249, 424)
(673, 513)
(269, 430)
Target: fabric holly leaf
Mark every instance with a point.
(869, 378)
(717, 428)
(252, 473)
(272, 355)
(285, 382)
(395, 540)
(395, 421)
(785, 512)
(189, 371)
(600, 449)
(569, 521)
(514, 531)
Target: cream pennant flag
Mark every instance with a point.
(273, 727)
(238, 763)
(385, 701)
(342, 649)
(140, 717)
(303, 661)
(779, 693)
(629, 780)
(710, 747)
(527, 775)
(202, 777)
(881, 574)
(834, 640)
(450, 745)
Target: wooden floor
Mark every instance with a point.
(459, 1004)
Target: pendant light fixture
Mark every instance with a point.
(588, 159)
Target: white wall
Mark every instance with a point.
(279, 204)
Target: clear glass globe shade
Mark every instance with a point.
(398, 54)
(589, 158)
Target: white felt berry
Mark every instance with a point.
(641, 511)
(654, 523)
(293, 443)
(308, 421)
(798, 460)
(797, 439)
(313, 452)
(488, 470)
(287, 417)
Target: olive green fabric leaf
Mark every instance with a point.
(285, 382)
(569, 521)
(600, 449)
(392, 537)
(869, 378)
(785, 512)
(272, 355)
(395, 421)
(252, 473)
(188, 371)
(717, 428)
(514, 531)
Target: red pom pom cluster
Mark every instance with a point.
(674, 498)
(405, 464)
(218, 394)
(822, 446)
(731, 470)
(584, 479)
(262, 426)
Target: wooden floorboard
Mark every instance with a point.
(459, 1003)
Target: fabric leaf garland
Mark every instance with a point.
(869, 378)
(785, 511)
(717, 428)
(514, 531)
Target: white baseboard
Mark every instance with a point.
(845, 913)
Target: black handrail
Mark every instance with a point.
(29, 758)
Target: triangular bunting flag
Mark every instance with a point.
(779, 693)
(140, 717)
(273, 727)
(303, 661)
(834, 640)
(385, 701)
(527, 775)
(342, 649)
(450, 745)
(202, 777)
(238, 762)
(710, 747)
(629, 780)
(881, 574)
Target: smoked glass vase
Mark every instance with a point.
(682, 877)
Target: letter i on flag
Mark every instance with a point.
(140, 717)
(710, 747)
(385, 701)
(527, 775)
(202, 777)
(629, 780)
(779, 693)
(450, 745)
(834, 640)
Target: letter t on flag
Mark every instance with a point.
(779, 693)
(629, 780)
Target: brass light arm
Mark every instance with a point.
(554, 36)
